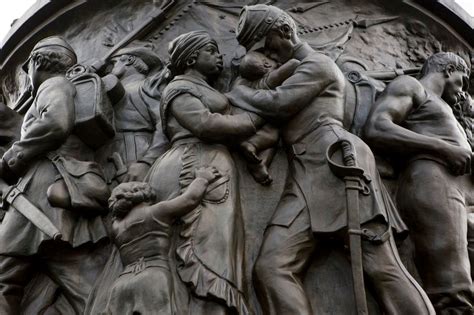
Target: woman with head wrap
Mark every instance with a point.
(198, 122)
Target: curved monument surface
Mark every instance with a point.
(237, 157)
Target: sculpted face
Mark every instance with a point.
(278, 46)
(209, 61)
(454, 86)
(33, 72)
(260, 62)
(265, 63)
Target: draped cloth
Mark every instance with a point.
(183, 46)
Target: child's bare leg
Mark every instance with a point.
(265, 138)
(267, 155)
(260, 173)
(249, 151)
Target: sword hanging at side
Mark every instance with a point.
(16, 199)
(354, 179)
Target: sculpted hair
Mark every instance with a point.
(139, 64)
(439, 61)
(127, 195)
(53, 61)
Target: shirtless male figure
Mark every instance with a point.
(414, 119)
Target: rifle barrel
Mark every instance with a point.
(391, 74)
(141, 29)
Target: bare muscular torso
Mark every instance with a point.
(435, 118)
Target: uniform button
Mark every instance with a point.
(12, 162)
(20, 155)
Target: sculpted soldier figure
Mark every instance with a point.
(57, 181)
(311, 105)
(414, 119)
(142, 230)
(139, 138)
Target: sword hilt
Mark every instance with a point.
(57, 236)
(348, 153)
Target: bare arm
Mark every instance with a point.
(384, 130)
(190, 199)
(182, 204)
(311, 78)
(279, 75)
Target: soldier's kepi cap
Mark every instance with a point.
(254, 23)
(53, 43)
(142, 51)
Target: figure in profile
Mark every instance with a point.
(310, 106)
(53, 169)
(199, 124)
(139, 139)
(414, 120)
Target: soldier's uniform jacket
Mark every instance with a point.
(138, 125)
(311, 104)
(47, 133)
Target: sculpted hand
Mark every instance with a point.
(208, 173)
(136, 172)
(458, 159)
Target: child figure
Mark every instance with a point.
(260, 72)
(141, 229)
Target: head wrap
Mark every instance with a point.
(183, 46)
(254, 23)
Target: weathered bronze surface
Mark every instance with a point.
(237, 157)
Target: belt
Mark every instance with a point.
(186, 141)
(299, 148)
(144, 263)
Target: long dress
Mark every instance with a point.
(210, 250)
(145, 285)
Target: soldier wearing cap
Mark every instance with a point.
(139, 137)
(310, 104)
(47, 154)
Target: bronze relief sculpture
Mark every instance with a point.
(414, 118)
(54, 170)
(216, 160)
(142, 231)
(139, 138)
(312, 206)
(198, 121)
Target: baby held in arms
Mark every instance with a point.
(260, 72)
